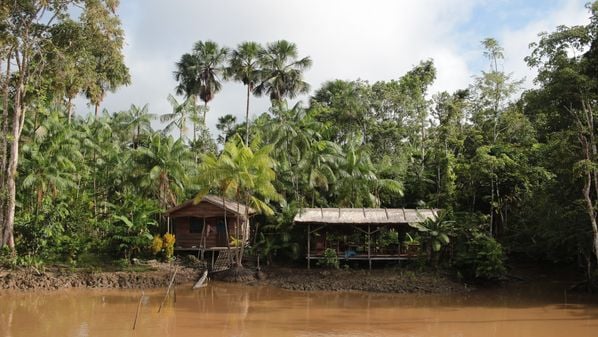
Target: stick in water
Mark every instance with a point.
(168, 290)
(138, 310)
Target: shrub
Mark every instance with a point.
(163, 245)
(479, 257)
(157, 244)
(168, 245)
(329, 260)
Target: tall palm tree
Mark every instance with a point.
(199, 73)
(282, 71)
(244, 67)
(137, 121)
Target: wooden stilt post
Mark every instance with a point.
(308, 246)
(202, 242)
(369, 247)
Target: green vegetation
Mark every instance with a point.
(515, 170)
(329, 260)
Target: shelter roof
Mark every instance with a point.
(230, 205)
(364, 216)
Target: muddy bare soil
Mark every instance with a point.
(380, 281)
(52, 279)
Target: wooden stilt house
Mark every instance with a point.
(209, 225)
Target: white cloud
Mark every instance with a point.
(516, 41)
(347, 39)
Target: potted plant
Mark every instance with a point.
(388, 241)
(412, 244)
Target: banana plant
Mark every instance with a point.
(436, 232)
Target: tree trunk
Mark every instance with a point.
(247, 117)
(4, 146)
(225, 225)
(205, 109)
(240, 235)
(585, 123)
(8, 235)
(591, 212)
(69, 109)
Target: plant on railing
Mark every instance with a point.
(388, 238)
(234, 242)
(411, 244)
(329, 259)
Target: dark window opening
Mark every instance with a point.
(195, 225)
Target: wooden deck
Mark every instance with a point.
(361, 257)
(205, 249)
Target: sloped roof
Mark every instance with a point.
(231, 206)
(364, 216)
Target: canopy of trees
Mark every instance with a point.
(518, 166)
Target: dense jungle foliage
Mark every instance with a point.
(514, 168)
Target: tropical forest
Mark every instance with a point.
(507, 170)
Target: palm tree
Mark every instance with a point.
(317, 166)
(357, 178)
(50, 160)
(180, 113)
(282, 71)
(244, 67)
(138, 120)
(227, 125)
(200, 71)
(244, 173)
(291, 133)
(168, 163)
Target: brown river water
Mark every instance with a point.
(237, 310)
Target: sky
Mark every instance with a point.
(371, 40)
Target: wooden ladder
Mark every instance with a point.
(223, 261)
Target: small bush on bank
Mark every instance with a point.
(163, 246)
(329, 260)
(479, 257)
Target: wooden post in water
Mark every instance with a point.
(138, 310)
(168, 289)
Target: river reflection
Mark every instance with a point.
(236, 310)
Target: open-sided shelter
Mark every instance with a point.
(356, 233)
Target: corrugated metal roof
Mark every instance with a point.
(364, 216)
(231, 206)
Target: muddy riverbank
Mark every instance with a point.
(156, 276)
(378, 280)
